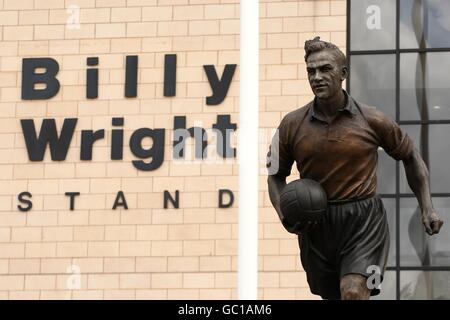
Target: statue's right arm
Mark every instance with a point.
(276, 184)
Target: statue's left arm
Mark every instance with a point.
(419, 182)
(397, 144)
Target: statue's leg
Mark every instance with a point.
(354, 287)
(364, 248)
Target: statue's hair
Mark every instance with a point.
(316, 45)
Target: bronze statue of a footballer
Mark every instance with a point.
(334, 141)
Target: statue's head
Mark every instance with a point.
(326, 66)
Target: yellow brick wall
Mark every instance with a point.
(284, 27)
(145, 252)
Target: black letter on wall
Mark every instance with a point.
(156, 152)
(117, 139)
(180, 135)
(48, 135)
(219, 87)
(92, 78)
(88, 137)
(72, 196)
(120, 201)
(230, 202)
(168, 197)
(131, 71)
(25, 201)
(170, 75)
(223, 126)
(30, 78)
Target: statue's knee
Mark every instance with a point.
(352, 294)
(354, 288)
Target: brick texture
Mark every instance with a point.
(284, 27)
(145, 251)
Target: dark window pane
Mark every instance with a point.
(424, 23)
(385, 173)
(416, 247)
(424, 285)
(372, 80)
(389, 205)
(372, 24)
(436, 148)
(425, 86)
(388, 287)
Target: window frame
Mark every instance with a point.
(397, 195)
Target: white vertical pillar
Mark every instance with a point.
(248, 151)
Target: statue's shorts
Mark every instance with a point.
(353, 238)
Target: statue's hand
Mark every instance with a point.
(431, 221)
(299, 228)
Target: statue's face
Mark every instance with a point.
(325, 74)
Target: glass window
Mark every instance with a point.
(421, 285)
(424, 86)
(385, 173)
(416, 247)
(421, 104)
(424, 24)
(388, 287)
(373, 81)
(389, 205)
(433, 142)
(372, 24)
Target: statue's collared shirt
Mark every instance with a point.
(341, 155)
(349, 109)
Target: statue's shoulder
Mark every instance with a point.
(365, 108)
(376, 119)
(297, 115)
(371, 113)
